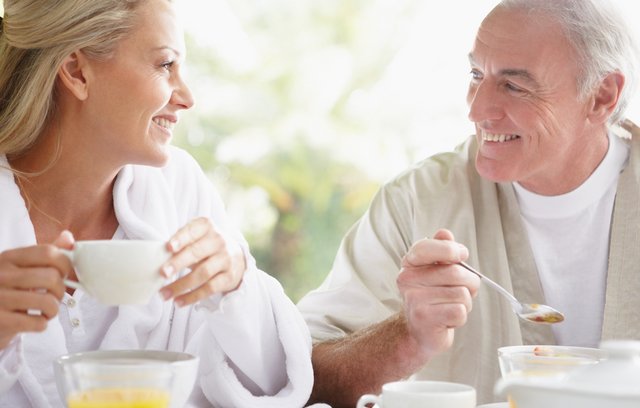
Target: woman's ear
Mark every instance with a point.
(73, 74)
(605, 98)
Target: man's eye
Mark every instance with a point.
(475, 74)
(167, 65)
(513, 88)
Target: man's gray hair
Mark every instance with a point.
(601, 39)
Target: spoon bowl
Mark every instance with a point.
(531, 312)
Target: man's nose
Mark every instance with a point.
(484, 103)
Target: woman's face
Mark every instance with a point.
(135, 96)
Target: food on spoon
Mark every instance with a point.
(549, 317)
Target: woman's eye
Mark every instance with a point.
(167, 65)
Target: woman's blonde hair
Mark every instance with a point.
(36, 37)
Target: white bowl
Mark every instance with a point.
(613, 382)
(184, 368)
(545, 360)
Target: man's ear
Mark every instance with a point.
(73, 74)
(606, 96)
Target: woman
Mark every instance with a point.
(89, 94)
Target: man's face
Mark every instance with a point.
(531, 124)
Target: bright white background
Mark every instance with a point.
(416, 108)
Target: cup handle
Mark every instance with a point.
(67, 282)
(369, 399)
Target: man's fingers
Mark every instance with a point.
(429, 251)
(444, 235)
(443, 295)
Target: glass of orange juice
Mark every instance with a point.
(119, 383)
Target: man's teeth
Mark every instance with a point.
(490, 137)
(164, 123)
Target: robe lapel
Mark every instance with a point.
(622, 302)
(523, 270)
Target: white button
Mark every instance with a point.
(75, 322)
(71, 302)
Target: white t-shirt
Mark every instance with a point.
(569, 236)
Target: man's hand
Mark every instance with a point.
(437, 293)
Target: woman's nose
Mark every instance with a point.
(182, 96)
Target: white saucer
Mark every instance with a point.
(495, 405)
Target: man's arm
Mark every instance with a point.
(362, 362)
(436, 296)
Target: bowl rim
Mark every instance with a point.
(172, 357)
(571, 351)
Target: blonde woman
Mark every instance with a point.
(89, 94)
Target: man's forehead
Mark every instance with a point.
(504, 44)
(520, 28)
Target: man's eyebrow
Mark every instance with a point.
(513, 72)
(520, 73)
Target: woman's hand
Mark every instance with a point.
(217, 264)
(31, 287)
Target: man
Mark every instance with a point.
(544, 200)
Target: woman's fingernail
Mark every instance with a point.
(167, 270)
(166, 294)
(174, 244)
(179, 303)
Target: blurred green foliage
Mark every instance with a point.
(315, 200)
(274, 123)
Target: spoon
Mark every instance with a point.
(532, 312)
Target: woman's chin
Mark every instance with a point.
(159, 157)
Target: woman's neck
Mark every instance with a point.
(64, 190)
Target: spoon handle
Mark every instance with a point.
(514, 302)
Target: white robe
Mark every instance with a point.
(254, 347)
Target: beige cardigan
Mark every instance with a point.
(446, 191)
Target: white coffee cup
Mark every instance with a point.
(422, 394)
(118, 272)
